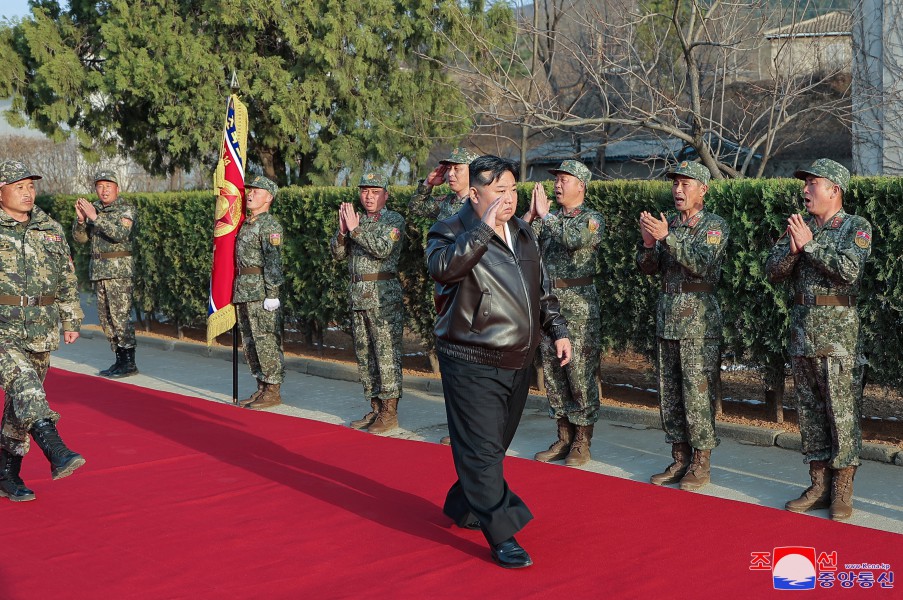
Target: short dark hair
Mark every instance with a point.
(488, 168)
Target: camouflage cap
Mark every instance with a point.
(575, 168)
(106, 175)
(259, 181)
(691, 169)
(13, 170)
(829, 169)
(373, 179)
(460, 156)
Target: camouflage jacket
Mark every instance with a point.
(692, 253)
(422, 204)
(373, 247)
(258, 246)
(569, 245)
(35, 261)
(831, 265)
(109, 232)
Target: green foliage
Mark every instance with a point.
(327, 85)
(174, 246)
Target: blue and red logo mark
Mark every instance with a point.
(802, 568)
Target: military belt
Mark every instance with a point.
(373, 277)
(819, 300)
(110, 254)
(686, 287)
(573, 282)
(27, 300)
(250, 271)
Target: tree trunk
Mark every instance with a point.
(774, 391)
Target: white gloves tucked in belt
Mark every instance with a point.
(271, 304)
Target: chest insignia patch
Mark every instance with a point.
(863, 239)
(593, 225)
(395, 235)
(713, 236)
(53, 237)
(275, 239)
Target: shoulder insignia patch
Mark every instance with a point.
(53, 237)
(395, 235)
(275, 239)
(593, 225)
(836, 222)
(713, 236)
(863, 239)
(694, 220)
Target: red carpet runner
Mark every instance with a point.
(184, 498)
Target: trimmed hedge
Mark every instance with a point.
(173, 251)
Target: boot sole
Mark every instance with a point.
(121, 375)
(74, 464)
(693, 487)
(807, 509)
(17, 498)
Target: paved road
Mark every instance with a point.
(765, 475)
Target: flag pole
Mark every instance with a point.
(234, 85)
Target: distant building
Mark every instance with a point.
(820, 45)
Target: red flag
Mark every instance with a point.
(229, 184)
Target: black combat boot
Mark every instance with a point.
(11, 485)
(63, 461)
(128, 367)
(115, 366)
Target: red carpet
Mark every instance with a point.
(184, 498)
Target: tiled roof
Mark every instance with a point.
(837, 22)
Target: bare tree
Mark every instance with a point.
(699, 71)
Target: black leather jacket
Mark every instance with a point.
(491, 303)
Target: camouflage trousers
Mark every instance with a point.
(261, 340)
(829, 403)
(573, 390)
(114, 308)
(22, 378)
(688, 374)
(377, 344)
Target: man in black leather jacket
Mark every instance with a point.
(492, 297)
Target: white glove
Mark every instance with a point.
(271, 304)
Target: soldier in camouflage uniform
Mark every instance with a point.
(688, 251)
(372, 244)
(453, 170)
(38, 290)
(569, 241)
(107, 224)
(258, 275)
(825, 256)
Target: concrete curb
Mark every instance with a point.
(758, 436)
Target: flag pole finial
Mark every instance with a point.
(234, 83)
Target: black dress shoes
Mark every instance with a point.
(510, 555)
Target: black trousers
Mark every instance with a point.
(484, 406)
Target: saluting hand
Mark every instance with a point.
(491, 210)
(437, 176)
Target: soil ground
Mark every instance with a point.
(627, 380)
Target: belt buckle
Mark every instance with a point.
(29, 301)
(809, 299)
(672, 288)
(356, 279)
